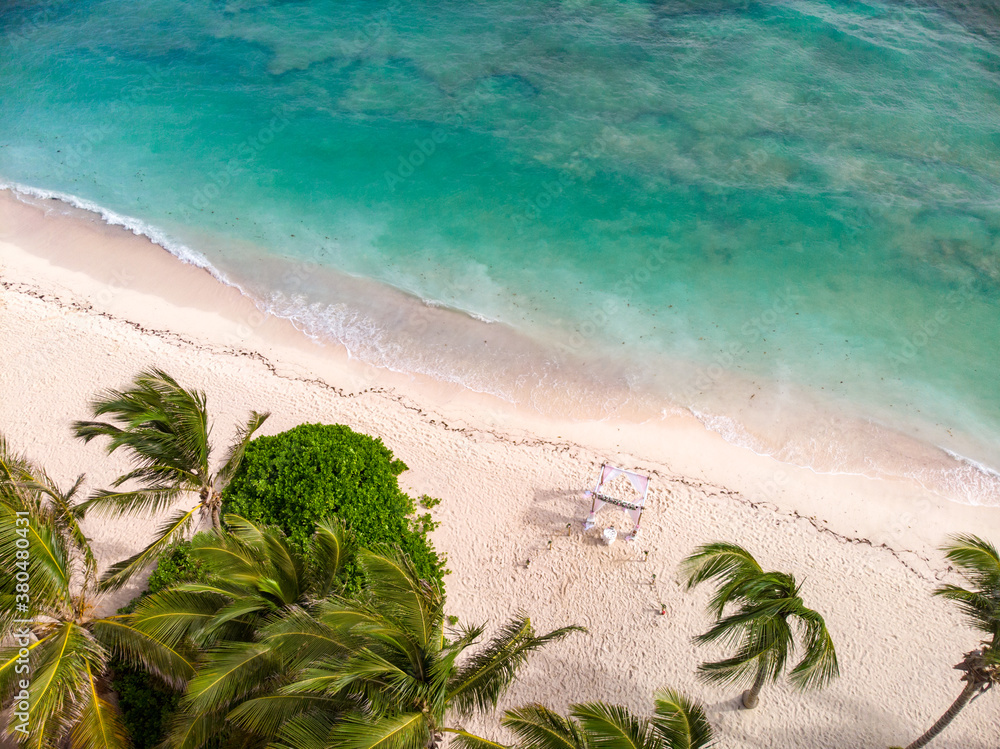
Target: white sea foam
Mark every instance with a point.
(730, 430)
(134, 225)
(436, 304)
(372, 342)
(318, 322)
(380, 344)
(849, 451)
(975, 464)
(973, 482)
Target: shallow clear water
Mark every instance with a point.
(798, 200)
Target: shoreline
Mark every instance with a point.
(83, 306)
(794, 429)
(111, 272)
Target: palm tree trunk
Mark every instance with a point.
(752, 696)
(216, 499)
(971, 688)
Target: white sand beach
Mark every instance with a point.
(84, 306)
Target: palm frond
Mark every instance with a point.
(755, 620)
(328, 547)
(286, 567)
(121, 572)
(305, 732)
(88, 430)
(175, 613)
(979, 563)
(741, 668)
(100, 724)
(10, 657)
(537, 727)
(318, 680)
(25, 486)
(66, 515)
(613, 727)
(358, 622)
(818, 666)
(228, 556)
(406, 731)
(398, 684)
(153, 499)
(414, 602)
(256, 557)
(766, 586)
(981, 611)
(159, 474)
(248, 533)
(468, 635)
(234, 456)
(46, 560)
(978, 560)
(462, 739)
(162, 426)
(242, 615)
(174, 663)
(59, 684)
(231, 671)
(764, 645)
(680, 722)
(158, 422)
(725, 562)
(481, 682)
(14, 470)
(193, 730)
(297, 638)
(265, 715)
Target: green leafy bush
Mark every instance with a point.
(294, 479)
(428, 502)
(176, 566)
(146, 702)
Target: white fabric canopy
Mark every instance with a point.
(633, 508)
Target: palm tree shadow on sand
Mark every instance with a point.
(858, 724)
(731, 705)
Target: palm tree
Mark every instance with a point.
(255, 578)
(253, 573)
(767, 604)
(26, 491)
(979, 563)
(371, 673)
(61, 649)
(165, 430)
(677, 723)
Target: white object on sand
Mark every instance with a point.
(610, 534)
(633, 508)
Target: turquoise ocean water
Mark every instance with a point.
(766, 212)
